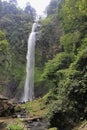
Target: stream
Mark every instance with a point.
(37, 125)
(26, 124)
(22, 119)
(33, 123)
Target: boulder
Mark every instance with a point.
(6, 107)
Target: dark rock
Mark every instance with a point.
(6, 107)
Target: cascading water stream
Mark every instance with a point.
(29, 82)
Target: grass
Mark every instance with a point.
(36, 108)
(14, 127)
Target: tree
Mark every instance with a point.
(70, 42)
(60, 62)
(73, 13)
(51, 9)
(16, 24)
(13, 2)
(30, 11)
(68, 69)
(4, 57)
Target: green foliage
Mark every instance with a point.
(61, 61)
(70, 42)
(41, 86)
(50, 97)
(14, 127)
(3, 41)
(16, 25)
(51, 9)
(81, 61)
(38, 73)
(2, 35)
(68, 69)
(73, 13)
(71, 94)
(84, 43)
(49, 39)
(4, 56)
(65, 72)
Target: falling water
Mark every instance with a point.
(29, 82)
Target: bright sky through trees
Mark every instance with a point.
(39, 5)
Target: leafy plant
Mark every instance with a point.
(14, 127)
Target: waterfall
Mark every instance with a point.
(29, 82)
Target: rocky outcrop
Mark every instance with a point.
(6, 107)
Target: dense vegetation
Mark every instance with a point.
(61, 58)
(68, 69)
(15, 25)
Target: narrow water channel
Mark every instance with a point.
(37, 125)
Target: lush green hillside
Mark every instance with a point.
(67, 71)
(61, 59)
(16, 25)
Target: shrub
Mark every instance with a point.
(14, 127)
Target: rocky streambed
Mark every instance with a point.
(36, 124)
(10, 113)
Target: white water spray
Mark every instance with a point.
(29, 82)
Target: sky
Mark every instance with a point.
(39, 5)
